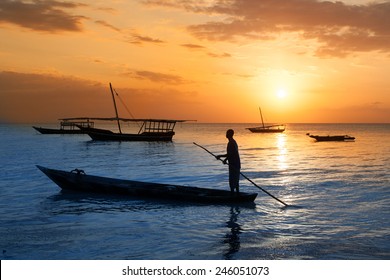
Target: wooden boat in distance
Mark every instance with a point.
(275, 128)
(68, 126)
(150, 130)
(319, 138)
(77, 180)
(268, 129)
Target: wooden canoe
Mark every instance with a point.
(77, 180)
(326, 138)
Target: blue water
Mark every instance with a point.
(339, 192)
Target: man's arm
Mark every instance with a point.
(222, 156)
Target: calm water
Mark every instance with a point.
(340, 194)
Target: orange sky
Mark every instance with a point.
(213, 61)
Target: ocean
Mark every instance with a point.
(338, 192)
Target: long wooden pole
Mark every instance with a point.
(116, 110)
(285, 204)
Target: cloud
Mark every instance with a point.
(106, 24)
(159, 77)
(43, 98)
(191, 5)
(339, 28)
(47, 16)
(139, 39)
(195, 47)
(35, 97)
(223, 55)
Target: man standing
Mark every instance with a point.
(233, 158)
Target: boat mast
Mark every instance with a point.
(261, 115)
(116, 110)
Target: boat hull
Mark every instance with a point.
(265, 130)
(145, 136)
(338, 138)
(43, 130)
(78, 181)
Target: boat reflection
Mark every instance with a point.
(78, 203)
(233, 237)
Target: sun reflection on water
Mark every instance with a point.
(282, 149)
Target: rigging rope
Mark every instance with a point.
(127, 109)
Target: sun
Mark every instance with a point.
(281, 93)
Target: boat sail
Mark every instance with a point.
(274, 128)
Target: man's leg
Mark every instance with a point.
(234, 178)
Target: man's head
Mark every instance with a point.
(229, 133)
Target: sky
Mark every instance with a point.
(301, 61)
